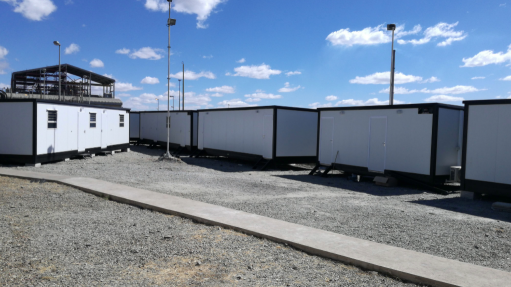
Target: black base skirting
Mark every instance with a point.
(51, 157)
(232, 154)
(486, 187)
(295, 159)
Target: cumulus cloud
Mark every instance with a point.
(196, 100)
(190, 75)
(368, 36)
(292, 73)
(370, 102)
(242, 60)
(123, 51)
(287, 88)
(478, 78)
(445, 90)
(331, 98)
(430, 80)
(508, 78)
(97, 63)
(201, 8)
(3, 67)
(256, 72)
(444, 98)
(35, 10)
(488, 57)
(150, 80)
(258, 95)
(217, 95)
(222, 89)
(140, 102)
(125, 87)
(147, 53)
(384, 78)
(234, 103)
(3, 52)
(320, 105)
(440, 30)
(72, 49)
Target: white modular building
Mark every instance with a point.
(486, 164)
(276, 133)
(35, 131)
(134, 125)
(183, 128)
(419, 142)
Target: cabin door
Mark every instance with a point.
(202, 123)
(82, 130)
(268, 137)
(104, 130)
(326, 144)
(377, 144)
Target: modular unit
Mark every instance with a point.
(486, 166)
(418, 141)
(36, 131)
(182, 132)
(134, 125)
(281, 134)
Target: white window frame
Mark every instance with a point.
(52, 122)
(121, 121)
(93, 122)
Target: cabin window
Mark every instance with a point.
(121, 121)
(92, 120)
(52, 119)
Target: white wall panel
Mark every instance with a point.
(448, 141)
(16, 120)
(153, 127)
(297, 133)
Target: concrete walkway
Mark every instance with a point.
(405, 264)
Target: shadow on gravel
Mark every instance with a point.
(480, 208)
(366, 185)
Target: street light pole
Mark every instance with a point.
(179, 89)
(170, 22)
(56, 43)
(392, 27)
(158, 101)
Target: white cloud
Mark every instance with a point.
(125, 87)
(234, 103)
(147, 53)
(3, 52)
(192, 99)
(150, 80)
(123, 51)
(287, 88)
(445, 90)
(217, 95)
(122, 95)
(190, 75)
(242, 60)
(293, 73)
(502, 5)
(201, 8)
(251, 100)
(222, 89)
(430, 80)
(319, 105)
(384, 78)
(207, 57)
(487, 57)
(478, 78)
(97, 63)
(440, 30)
(256, 72)
(331, 98)
(35, 10)
(370, 102)
(109, 75)
(72, 49)
(508, 78)
(3, 86)
(368, 36)
(3, 67)
(262, 95)
(444, 98)
(139, 103)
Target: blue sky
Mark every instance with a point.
(291, 53)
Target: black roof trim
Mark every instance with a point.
(387, 107)
(62, 103)
(258, 108)
(488, 102)
(75, 71)
(179, 111)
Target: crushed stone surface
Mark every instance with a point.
(407, 217)
(55, 235)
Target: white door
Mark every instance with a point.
(82, 131)
(268, 136)
(104, 130)
(326, 141)
(377, 144)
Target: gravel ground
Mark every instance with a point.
(445, 226)
(54, 235)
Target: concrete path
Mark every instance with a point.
(405, 264)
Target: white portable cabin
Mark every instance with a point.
(183, 128)
(35, 131)
(281, 134)
(486, 164)
(134, 125)
(419, 142)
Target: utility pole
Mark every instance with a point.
(183, 85)
(392, 27)
(179, 89)
(170, 22)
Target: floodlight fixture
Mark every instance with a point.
(171, 22)
(56, 43)
(391, 27)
